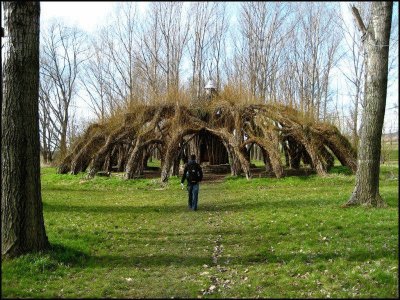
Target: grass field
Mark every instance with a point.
(390, 152)
(266, 237)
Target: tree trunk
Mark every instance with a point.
(376, 42)
(22, 224)
(168, 162)
(245, 164)
(63, 141)
(134, 159)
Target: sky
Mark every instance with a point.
(85, 15)
(90, 15)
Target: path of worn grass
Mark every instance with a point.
(266, 237)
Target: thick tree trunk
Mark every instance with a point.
(172, 149)
(134, 160)
(234, 161)
(366, 190)
(22, 224)
(271, 146)
(245, 164)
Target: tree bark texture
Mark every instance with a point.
(376, 42)
(22, 220)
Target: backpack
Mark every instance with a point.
(193, 173)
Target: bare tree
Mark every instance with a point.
(313, 55)
(95, 83)
(376, 37)
(218, 45)
(119, 48)
(149, 56)
(200, 41)
(62, 55)
(22, 224)
(124, 56)
(172, 33)
(174, 36)
(48, 134)
(263, 32)
(354, 70)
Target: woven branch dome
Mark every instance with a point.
(125, 144)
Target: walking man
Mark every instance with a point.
(193, 174)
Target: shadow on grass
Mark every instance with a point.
(341, 170)
(351, 255)
(76, 258)
(302, 173)
(180, 208)
(67, 189)
(67, 255)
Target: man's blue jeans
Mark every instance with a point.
(193, 190)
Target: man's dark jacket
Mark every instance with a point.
(186, 169)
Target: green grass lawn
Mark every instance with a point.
(280, 238)
(390, 152)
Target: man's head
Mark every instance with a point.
(193, 157)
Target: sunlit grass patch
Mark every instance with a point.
(267, 237)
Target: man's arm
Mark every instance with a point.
(184, 174)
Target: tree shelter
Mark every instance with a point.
(219, 132)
